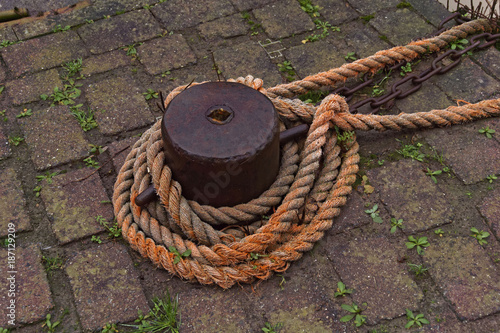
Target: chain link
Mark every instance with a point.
(414, 81)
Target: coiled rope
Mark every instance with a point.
(313, 183)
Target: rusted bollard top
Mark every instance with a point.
(221, 141)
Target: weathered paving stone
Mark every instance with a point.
(44, 52)
(410, 195)
(369, 7)
(109, 34)
(283, 19)
(32, 298)
(247, 59)
(178, 14)
(432, 10)
(3, 73)
(336, 12)
(489, 210)
(362, 39)
(54, 137)
(427, 98)
(105, 62)
(352, 216)
(250, 4)
(119, 150)
(119, 105)
(28, 89)
(162, 54)
(7, 33)
(470, 154)
(229, 26)
(468, 82)
(401, 26)
(12, 204)
(370, 266)
(105, 286)
(466, 275)
(73, 204)
(490, 60)
(312, 58)
(4, 145)
(208, 310)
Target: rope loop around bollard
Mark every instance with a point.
(313, 183)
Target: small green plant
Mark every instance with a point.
(4, 243)
(37, 190)
(179, 255)
(395, 224)
(269, 328)
(404, 4)
(73, 67)
(309, 8)
(491, 178)
(417, 269)
(15, 140)
(487, 131)
(52, 263)
(378, 88)
(114, 231)
(405, 69)
(367, 18)
(374, 214)
(351, 56)
(150, 94)
(432, 174)
(381, 162)
(344, 136)
(89, 21)
(355, 311)
(313, 97)
(253, 25)
(131, 50)
(325, 29)
(287, 68)
(96, 239)
(411, 151)
(459, 44)
(418, 320)
(25, 113)
(2, 88)
(480, 235)
(109, 328)
(282, 282)
(5, 43)
(84, 118)
(96, 149)
(50, 326)
(64, 96)
(341, 290)
(469, 194)
(47, 176)
(161, 318)
(59, 28)
(2, 114)
(439, 232)
(420, 243)
(4, 330)
(89, 161)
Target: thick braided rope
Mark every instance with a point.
(314, 195)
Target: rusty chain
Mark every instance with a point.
(414, 81)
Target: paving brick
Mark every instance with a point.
(54, 137)
(105, 286)
(105, 62)
(250, 4)
(369, 7)
(362, 39)
(119, 151)
(153, 56)
(466, 276)
(247, 59)
(225, 27)
(352, 216)
(469, 153)
(427, 98)
(490, 60)
(12, 205)
(32, 296)
(119, 105)
(336, 12)
(489, 209)
(432, 10)
(370, 267)
(28, 89)
(283, 19)
(410, 195)
(468, 82)
(72, 205)
(3, 73)
(312, 58)
(6, 33)
(401, 26)
(44, 52)
(4, 145)
(178, 14)
(109, 34)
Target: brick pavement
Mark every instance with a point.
(66, 265)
